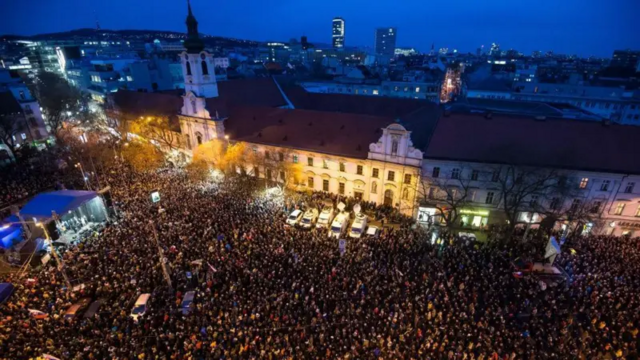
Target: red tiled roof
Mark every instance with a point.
(324, 132)
(253, 92)
(567, 144)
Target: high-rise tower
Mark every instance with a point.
(337, 33)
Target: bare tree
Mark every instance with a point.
(60, 101)
(577, 211)
(161, 130)
(528, 189)
(447, 194)
(276, 167)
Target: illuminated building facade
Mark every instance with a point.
(337, 33)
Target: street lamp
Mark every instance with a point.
(84, 176)
(163, 264)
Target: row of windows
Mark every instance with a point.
(455, 174)
(342, 167)
(471, 196)
(495, 176)
(605, 186)
(341, 188)
(620, 209)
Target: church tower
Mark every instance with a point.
(198, 69)
(200, 84)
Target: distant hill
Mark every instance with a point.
(131, 35)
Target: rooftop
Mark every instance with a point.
(521, 108)
(354, 104)
(319, 131)
(557, 143)
(254, 92)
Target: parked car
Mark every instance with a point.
(373, 231)
(140, 307)
(309, 219)
(294, 217)
(339, 225)
(187, 302)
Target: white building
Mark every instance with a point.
(19, 103)
(394, 151)
(399, 89)
(474, 153)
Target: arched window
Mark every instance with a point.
(199, 138)
(188, 141)
(205, 69)
(374, 187)
(394, 147)
(188, 68)
(405, 194)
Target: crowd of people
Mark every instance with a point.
(267, 291)
(21, 181)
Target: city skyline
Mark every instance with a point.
(598, 31)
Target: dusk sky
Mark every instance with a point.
(584, 27)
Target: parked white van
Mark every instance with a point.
(359, 226)
(325, 219)
(339, 225)
(140, 307)
(309, 218)
(294, 218)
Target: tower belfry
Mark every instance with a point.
(193, 44)
(200, 84)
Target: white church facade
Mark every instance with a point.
(388, 175)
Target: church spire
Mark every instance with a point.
(193, 44)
